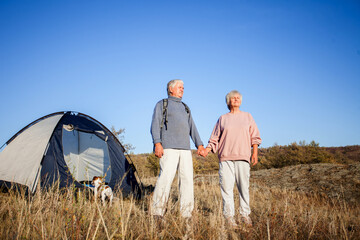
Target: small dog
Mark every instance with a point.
(102, 189)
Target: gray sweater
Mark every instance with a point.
(180, 125)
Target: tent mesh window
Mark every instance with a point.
(86, 155)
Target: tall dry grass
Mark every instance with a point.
(277, 214)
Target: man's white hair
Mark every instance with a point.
(230, 95)
(172, 83)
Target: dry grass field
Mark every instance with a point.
(277, 213)
(304, 199)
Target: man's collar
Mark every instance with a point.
(175, 98)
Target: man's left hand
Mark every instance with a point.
(200, 150)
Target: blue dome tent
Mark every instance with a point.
(68, 147)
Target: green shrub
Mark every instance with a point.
(293, 154)
(153, 164)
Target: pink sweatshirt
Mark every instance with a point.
(233, 136)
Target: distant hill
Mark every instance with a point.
(294, 154)
(347, 153)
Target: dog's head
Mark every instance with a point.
(96, 181)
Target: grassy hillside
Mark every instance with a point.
(272, 157)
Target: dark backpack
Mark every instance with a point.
(164, 118)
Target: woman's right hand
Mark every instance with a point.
(205, 152)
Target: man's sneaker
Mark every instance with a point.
(246, 220)
(230, 221)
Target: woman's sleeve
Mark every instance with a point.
(215, 137)
(254, 132)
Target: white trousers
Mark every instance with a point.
(171, 161)
(232, 172)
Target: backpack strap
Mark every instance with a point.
(186, 108)
(164, 113)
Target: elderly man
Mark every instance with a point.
(171, 126)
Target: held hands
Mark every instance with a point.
(203, 151)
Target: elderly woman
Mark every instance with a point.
(234, 134)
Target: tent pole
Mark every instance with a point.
(33, 189)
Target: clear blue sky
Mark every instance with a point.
(297, 64)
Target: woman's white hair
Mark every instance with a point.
(172, 83)
(230, 95)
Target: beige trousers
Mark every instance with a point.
(174, 160)
(231, 172)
